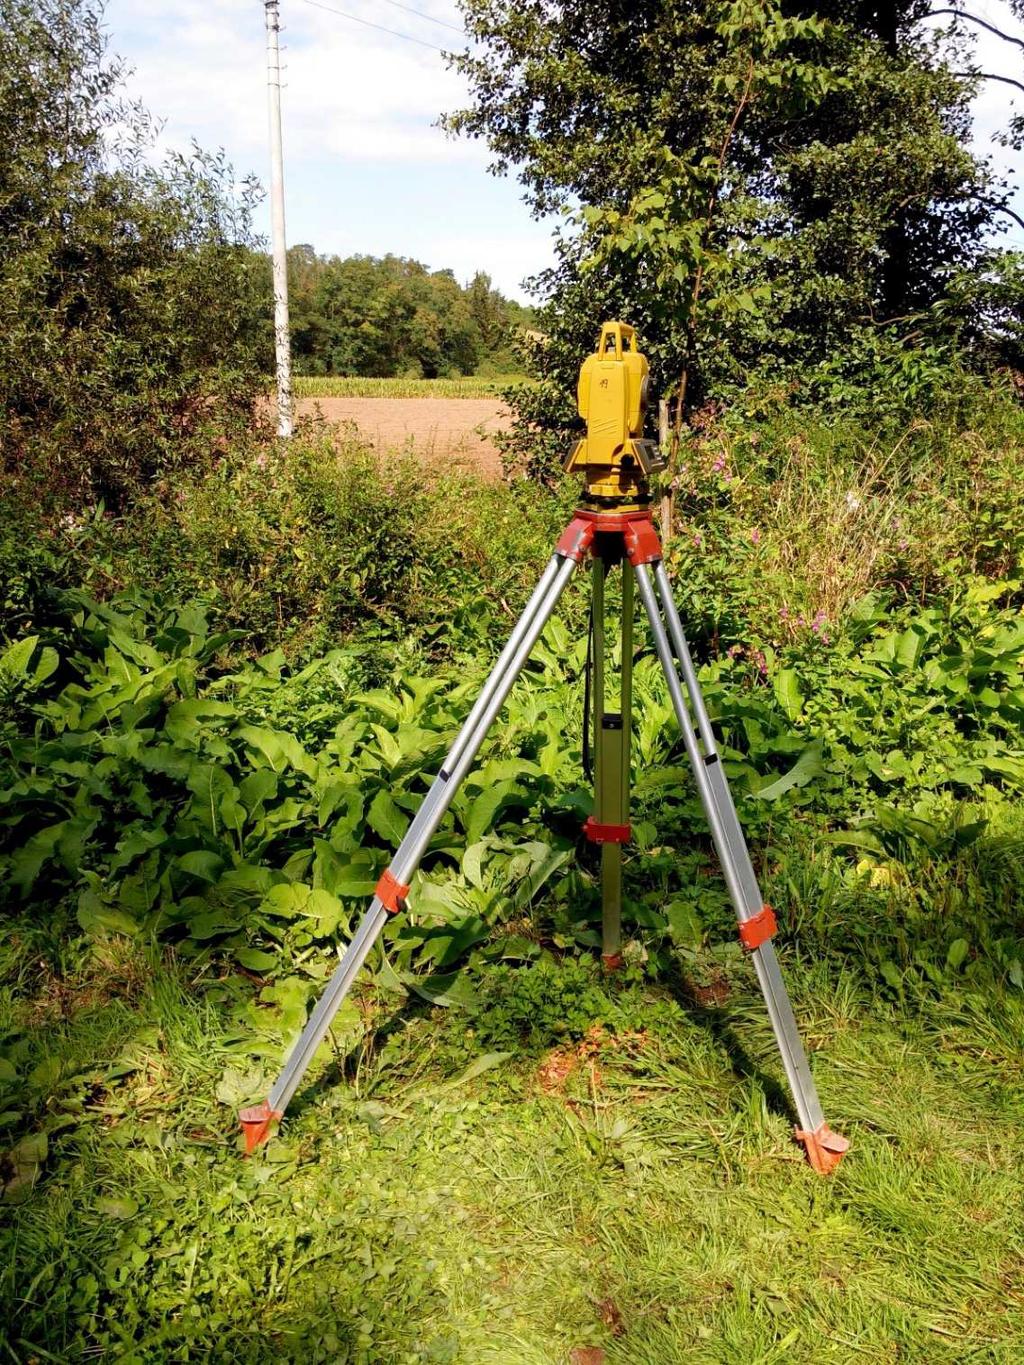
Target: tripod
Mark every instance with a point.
(611, 529)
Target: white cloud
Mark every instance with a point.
(366, 167)
(348, 90)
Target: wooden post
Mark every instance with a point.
(668, 475)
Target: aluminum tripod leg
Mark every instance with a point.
(757, 923)
(393, 885)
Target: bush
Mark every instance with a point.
(785, 521)
(303, 544)
(129, 295)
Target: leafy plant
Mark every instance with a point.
(130, 343)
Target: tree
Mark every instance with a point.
(760, 187)
(379, 317)
(129, 293)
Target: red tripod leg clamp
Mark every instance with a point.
(577, 538)
(256, 1125)
(390, 892)
(605, 834)
(757, 929)
(825, 1149)
(639, 537)
(642, 543)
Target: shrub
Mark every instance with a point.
(303, 544)
(785, 521)
(129, 343)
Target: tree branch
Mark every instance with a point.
(975, 19)
(1004, 208)
(698, 282)
(987, 76)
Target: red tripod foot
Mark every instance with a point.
(256, 1125)
(825, 1149)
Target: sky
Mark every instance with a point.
(366, 168)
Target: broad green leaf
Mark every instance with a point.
(15, 659)
(201, 863)
(455, 989)
(891, 974)
(210, 924)
(257, 788)
(957, 953)
(286, 900)
(386, 819)
(684, 923)
(235, 1086)
(340, 873)
(23, 1164)
(342, 805)
(473, 862)
(256, 960)
(487, 1062)
(786, 686)
(45, 1075)
(544, 863)
(909, 648)
(807, 767)
(326, 909)
(279, 749)
(185, 719)
(97, 919)
(27, 862)
(857, 838)
(486, 806)
(119, 1207)
(49, 661)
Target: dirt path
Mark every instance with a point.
(435, 428)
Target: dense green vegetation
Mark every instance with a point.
(130, 292)
(192, 818)
(387, 317)
(228, 670)
(465, 386)
(795, 205)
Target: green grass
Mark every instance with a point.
(466, 386)
(657, 1208)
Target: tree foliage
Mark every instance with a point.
(392, 316)
(765, 190)
(129, 292)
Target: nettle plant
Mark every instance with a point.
(244, 816)
(161, 799)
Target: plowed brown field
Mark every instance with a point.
(435, 429)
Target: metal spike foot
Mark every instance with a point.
(824, 1148)
(256, 1122)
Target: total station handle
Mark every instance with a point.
(614, 338)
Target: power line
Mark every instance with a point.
(367, 23)
(429, 17)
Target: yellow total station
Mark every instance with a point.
(614, 457)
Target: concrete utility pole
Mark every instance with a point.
(282, 335)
